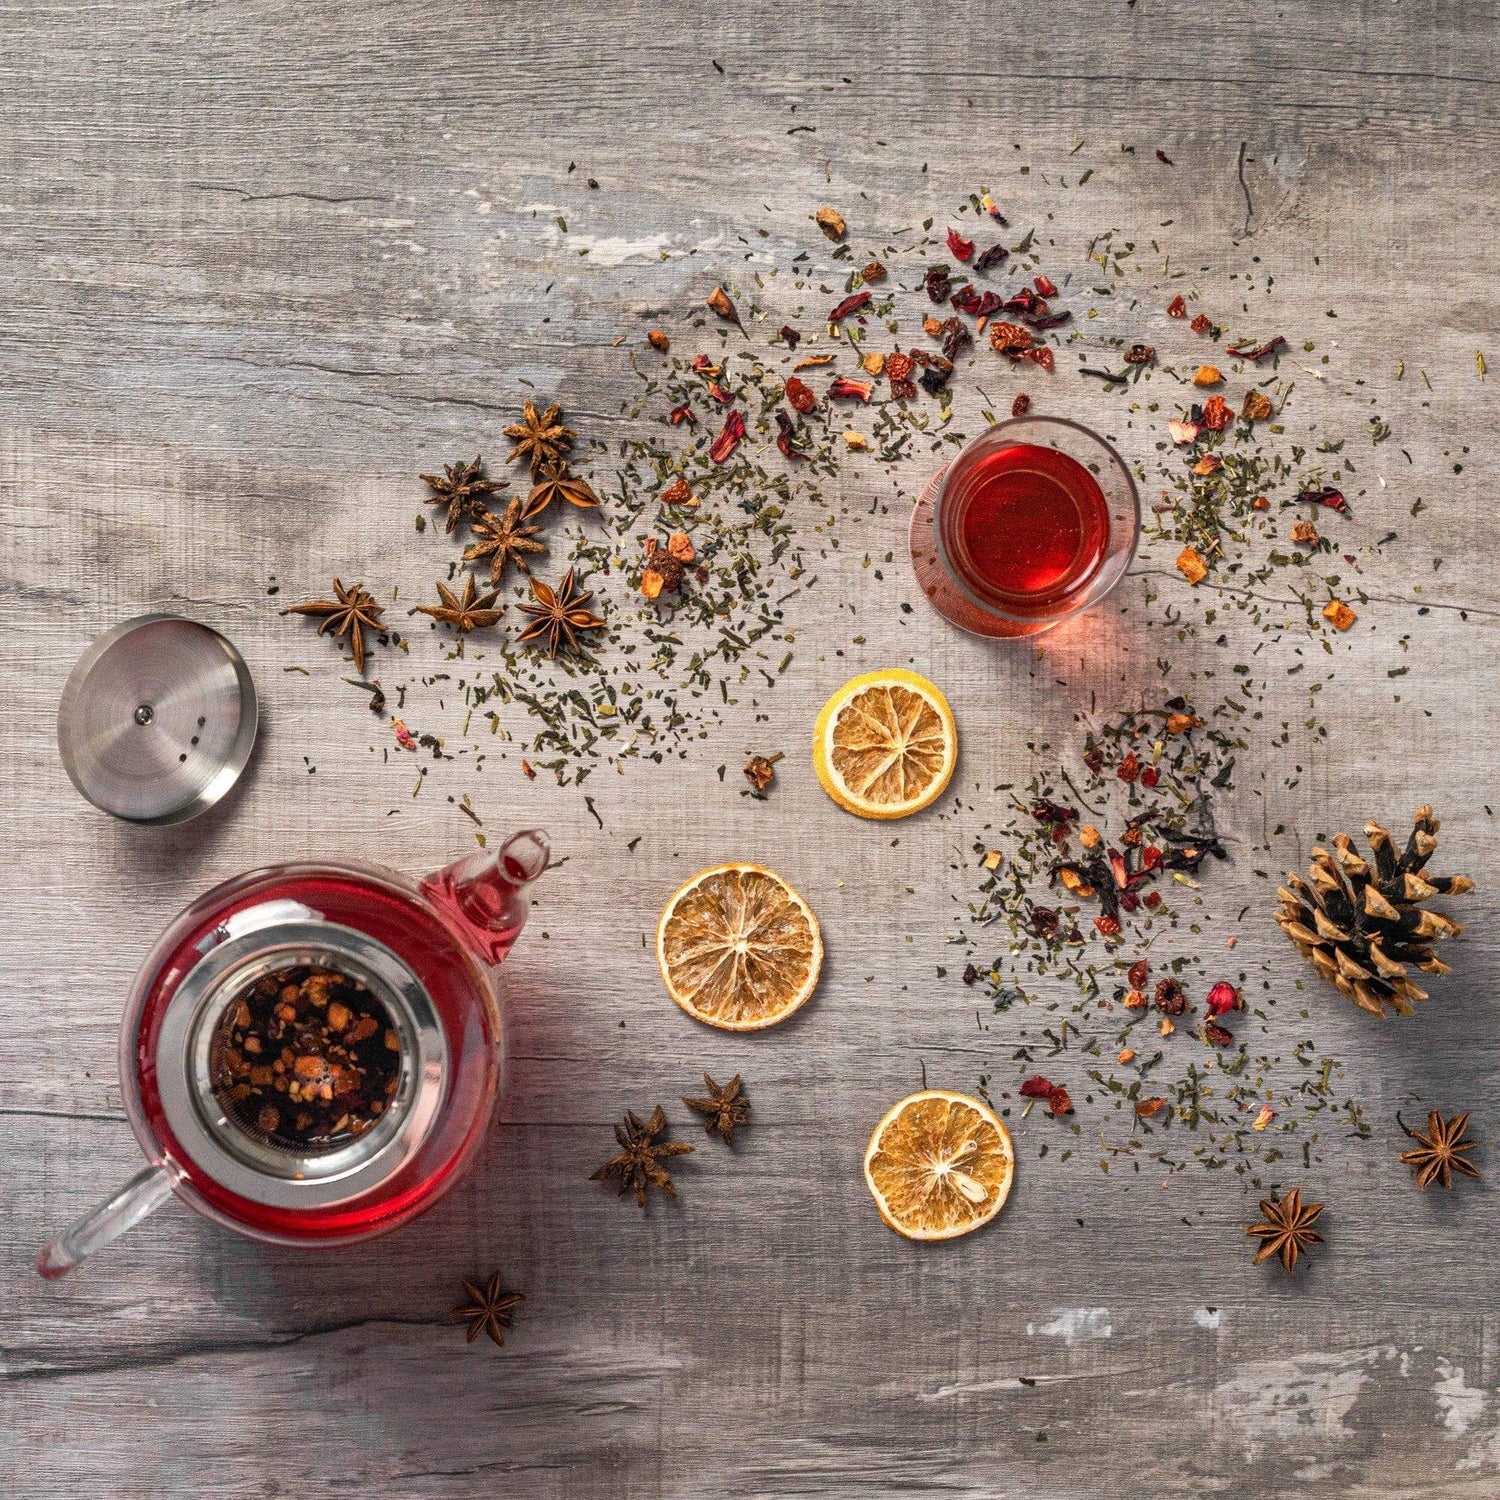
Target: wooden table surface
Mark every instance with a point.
(259, 266)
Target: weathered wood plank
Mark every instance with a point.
(256, 277)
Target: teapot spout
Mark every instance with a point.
(486, 892)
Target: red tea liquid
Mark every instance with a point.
(1025, 528)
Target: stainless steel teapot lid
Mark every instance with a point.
(157, 720)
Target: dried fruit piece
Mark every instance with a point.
(1222, 999)
(738, 948)
(1331, 498)
(1216, 414)
(658, 340)
(800, 395)
(1177, 307)
(1191, 565)
(872, 273)
(1305, 533)
(1201, 324)
(845, 385)
(1256, 408)
(831, 222)
(679, 492)
(1208, 375)
(1339, 615)
(1140, 354)
(720, 302)
(885, 744)
(1021, 405)
(939, 1165)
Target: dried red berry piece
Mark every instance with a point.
(1222, 998)
(851, 304)
(1202, 323)
(1150, 776)
(1153, 900)
(898, 366)
(1021, 405)
(729, 439)
(1108, 926)
(1216, 1034)
(1044, 285)
(1036, 1087)
(958, 247)
(1136, 974)
(1009, 338)
(1058, 1102)
(1039, 354)
(1140, 354)
(1177, 307)
(800, 395)
(1129, 768)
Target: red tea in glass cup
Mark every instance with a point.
(1034, 521)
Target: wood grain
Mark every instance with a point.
(261, 266)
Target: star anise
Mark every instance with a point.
(724, 1107)
(558, 482)
(540, 438)
(559, 615)
(488, 1309)
(1442, 1150)
(503, 540)
(638, 1164)
(471, 612)
(351, 612)
(464, 487)
(1287, 1228)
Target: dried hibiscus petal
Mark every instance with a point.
(729, 439)
(800, 395)
(958, 247)
(851, 304)
(1058, 1102)
(845, 385)
(1223, 997)
(1258, 351)
(938, 283)
(784, 431)
(789, 336)
(719, 394)
(1333, 499)
(954, 335)
(991, 257)
(680, 414)
(969, 299)
(1047, 320)
(1045, 287)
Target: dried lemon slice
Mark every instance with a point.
(885, 744)
(738, 947)
(939, 1165)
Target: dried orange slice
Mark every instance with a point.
(885, 744)
(738, 947)
(939, 1165)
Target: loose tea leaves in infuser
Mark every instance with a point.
(306, 1057)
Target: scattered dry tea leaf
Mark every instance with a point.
(1338, 614)
(1191, 565)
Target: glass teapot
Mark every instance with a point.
(311, 1053)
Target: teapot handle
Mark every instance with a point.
(122, 1210)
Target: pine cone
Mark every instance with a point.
(1361, 925)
